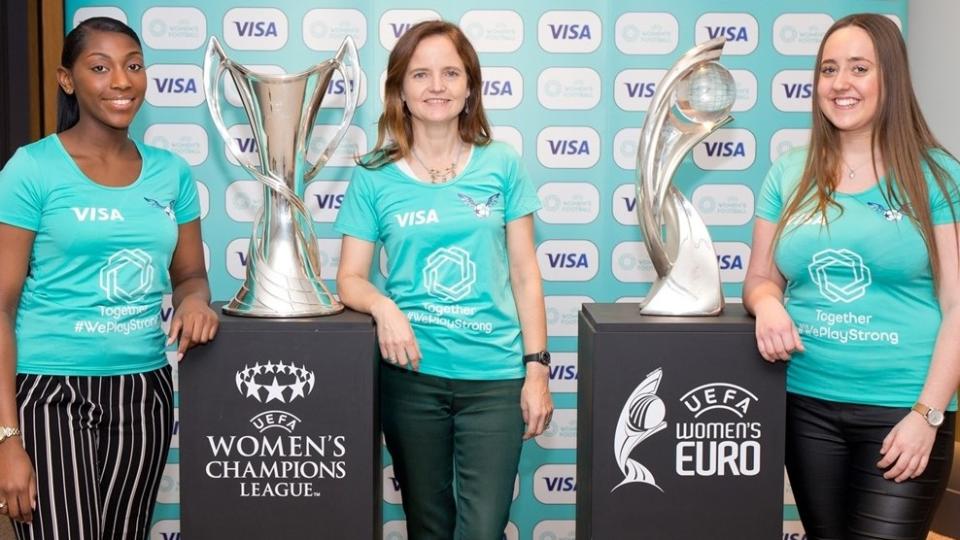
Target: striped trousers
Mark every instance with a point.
(98, 446)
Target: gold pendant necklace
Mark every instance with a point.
(440, 176)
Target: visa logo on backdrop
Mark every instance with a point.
(726, 150)
(395, 22)
(634, 88)
(249, 29)
(245, 144)
(165, 529)
(625, 204)
(793, 90)
(502, 87)
(555, 484)
(741, 31)
(569, 31)
(324, 199)
(567, 260)
(337, 91)
(732, 257)
(391, 486)
(568, 147)
(174, 85)
(563, 372)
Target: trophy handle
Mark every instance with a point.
(215, 63)
(347, 63)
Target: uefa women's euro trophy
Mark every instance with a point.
(283, 261)
(693, 99)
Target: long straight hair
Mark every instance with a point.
(899, 131)
(395, 130)
(68, 110)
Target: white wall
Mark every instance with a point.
(933, 43)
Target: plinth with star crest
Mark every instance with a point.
(279, 431)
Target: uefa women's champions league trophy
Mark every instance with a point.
(688, 276)
(283, 262)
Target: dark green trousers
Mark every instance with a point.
(456, 447)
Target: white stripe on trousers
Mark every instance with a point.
(98, 446)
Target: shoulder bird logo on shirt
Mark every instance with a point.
(889, 214)
(480, 209)
(167, 208)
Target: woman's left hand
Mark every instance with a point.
(193, 323)
(906, 449)
(536, 403)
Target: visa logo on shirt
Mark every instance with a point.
(97, 214)
(417, 217)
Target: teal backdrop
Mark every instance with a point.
(566, 83)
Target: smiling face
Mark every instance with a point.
(848, 91)
(108, 79)
(435, 83)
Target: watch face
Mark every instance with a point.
(545, 358)
(935, 417)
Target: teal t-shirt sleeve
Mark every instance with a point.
(21, 199)
(357, 216)
(940, 206)
(187, 207)
(770, 199)
(521, 197)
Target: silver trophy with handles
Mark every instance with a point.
(693, 99)
(283, 260)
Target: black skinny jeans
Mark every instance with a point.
(832, 452)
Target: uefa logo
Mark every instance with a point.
(275, 381)
(203, 194)
(732, 257)
(625, 204)
(633, 89)
(165, 529)
(502, 87)
(329, 250)
(188, 141)
(395, 22)
(561, 434)
(509, 135)
(493, 31)
(792, 90)
(625, 148)
(567, 260)
(325, 29)
(562, 313)
(555, 484)
(568, 147)
(569, 31)
(244, 199)
(724, 204)
(85, 13)
(352, 145)
(726, 150)
(741, 31)
(255, 29)
(555, 529)
(323, 198)
(174, 28)
(746, 83)
(647, 33)
(174, 85)
(798, 34)
(568, 202)
(569, 88)
(563, 372)
(230, 87)
(631, 263)
(785, 140)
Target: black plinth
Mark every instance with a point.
(280, 432)
(700, 448)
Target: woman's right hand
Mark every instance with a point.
(777, 336)
(398, 344)
(18, 483)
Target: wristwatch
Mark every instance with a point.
(6, 432)
(934, 416)
(542, 357)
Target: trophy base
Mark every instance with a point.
(241, 310)
(667, 298)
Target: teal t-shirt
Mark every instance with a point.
(859, 290)
(447, 257)
(91, 300)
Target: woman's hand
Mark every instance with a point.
(777, 336)
(536, 403)
(193, 323)
(18, 483)
(907, 448)
(398, 344)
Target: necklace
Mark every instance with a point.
(852, 171)
(439, 176)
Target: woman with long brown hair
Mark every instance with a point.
(461, 320)
(855, 279)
